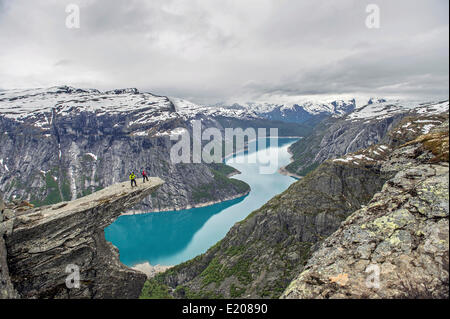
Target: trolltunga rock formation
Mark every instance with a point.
(42, 242)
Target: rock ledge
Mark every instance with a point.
(42, 243)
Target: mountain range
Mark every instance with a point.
(61, 143)
(373, 191)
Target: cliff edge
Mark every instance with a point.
(44, 246)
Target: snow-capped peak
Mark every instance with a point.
(37, 105)
(296, 109)
(378, 109)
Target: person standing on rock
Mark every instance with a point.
(144, 176)
(133, 179)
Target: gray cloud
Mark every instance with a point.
(215, 50)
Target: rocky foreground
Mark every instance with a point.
(38, 244)
(397, 245)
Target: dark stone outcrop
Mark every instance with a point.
(80, 156)
(7, 290)
(44, 245)
(395, 247)
(335, 137)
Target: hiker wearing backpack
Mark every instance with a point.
(133, 179)
(144, 176)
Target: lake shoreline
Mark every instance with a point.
(225, 157)
(281, 171)
(150, 242)
(199, 205)
(150, 270)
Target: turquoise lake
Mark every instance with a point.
(170, 238)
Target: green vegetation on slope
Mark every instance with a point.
(153, 289)
(223, 168)
(53, 189)
(221, 184)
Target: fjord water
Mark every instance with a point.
(169, 238)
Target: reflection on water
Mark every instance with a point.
(169, 238)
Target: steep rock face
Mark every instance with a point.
(61, 144)
(337, 137)
(42, 242)
(401, 237)
(261, 255)
(7, 290)
(6, 287)
(360, 129)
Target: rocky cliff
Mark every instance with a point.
(262, 254)
(62, 143)
(397, 246)
(360, 129)
(47, 244)
(7, 290)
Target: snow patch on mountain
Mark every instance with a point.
(378, 109)
(38, 105)
(94, 157)
(335, 107)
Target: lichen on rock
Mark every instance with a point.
(401, 236)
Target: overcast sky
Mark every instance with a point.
(218, 50)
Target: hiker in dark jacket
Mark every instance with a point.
(133, 179)
(144, 176)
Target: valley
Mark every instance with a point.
(224, 230)
(173, 237)
(313, 241)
